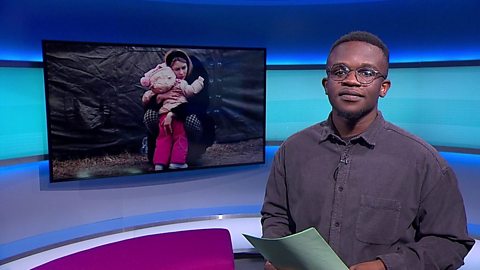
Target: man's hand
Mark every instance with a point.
(269, 266)
(371, 265)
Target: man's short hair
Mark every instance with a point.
(364, 37)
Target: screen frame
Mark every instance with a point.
(46, 73)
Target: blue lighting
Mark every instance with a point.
(92, 230)
(265, 2)
(31, 56)
(7, 173)
(320, 59)
(294, 32)
(270, 150)
(474, 230)
(297, 59)
(461, 158)
(435, 56)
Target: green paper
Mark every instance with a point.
(305, 250)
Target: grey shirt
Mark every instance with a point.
(383, 194)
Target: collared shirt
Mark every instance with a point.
(382, 194)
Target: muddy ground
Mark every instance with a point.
(244, 152)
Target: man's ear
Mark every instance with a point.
(324, 83)
(384, 88)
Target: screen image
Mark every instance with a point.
(124, 109)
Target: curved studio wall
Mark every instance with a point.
(54, 213)
(434, 100)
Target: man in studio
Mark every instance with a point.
(381, 197)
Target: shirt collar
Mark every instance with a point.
(368, 137)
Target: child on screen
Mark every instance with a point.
(168, 81)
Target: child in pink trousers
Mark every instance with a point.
(167, 81)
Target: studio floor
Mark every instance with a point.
(255, 262)
(246, 257)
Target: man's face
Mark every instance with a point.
(180, 69)
(349, 98)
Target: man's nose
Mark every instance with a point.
(351, 79)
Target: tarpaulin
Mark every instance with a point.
(94, 94)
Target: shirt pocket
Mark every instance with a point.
(377, 220)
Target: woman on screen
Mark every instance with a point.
(171, 143)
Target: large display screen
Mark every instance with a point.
(125, 109)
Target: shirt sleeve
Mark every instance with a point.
(441, 229)
(192, 89)
(275, 217)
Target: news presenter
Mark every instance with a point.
(381, 197)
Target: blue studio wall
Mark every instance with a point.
(435, 100)
(421, 100)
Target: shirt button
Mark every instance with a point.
(340, 189)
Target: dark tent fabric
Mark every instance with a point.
(94, 95)
(237, 92)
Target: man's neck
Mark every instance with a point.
(348, 128)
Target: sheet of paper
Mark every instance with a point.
(305, 250)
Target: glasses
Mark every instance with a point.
(364, 75)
